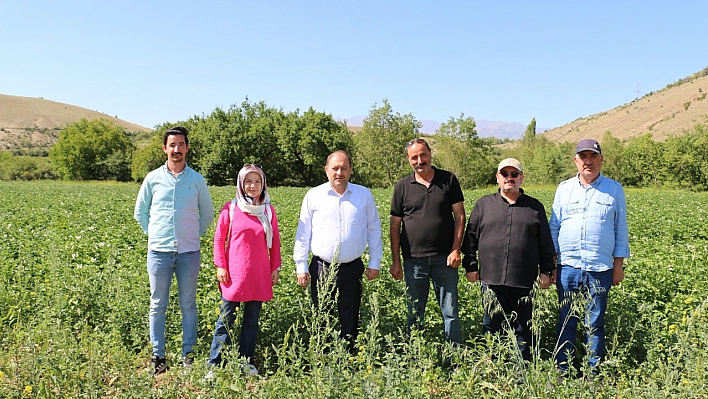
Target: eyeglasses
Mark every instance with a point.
(506, 173)
(573, 211)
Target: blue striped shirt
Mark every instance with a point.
(589, 224)
(174, 211)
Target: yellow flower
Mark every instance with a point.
(688, 300)
(28, 389)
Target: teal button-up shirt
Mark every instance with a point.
(174, 211)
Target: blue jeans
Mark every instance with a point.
(418, 273)
(592, 288)
(161, 266)
(224, 328)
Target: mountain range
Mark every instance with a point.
(485, 128)
(33, 124)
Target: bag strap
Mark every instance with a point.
(232, 207)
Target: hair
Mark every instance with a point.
(417, 141)
(176, 131)
(339, 152)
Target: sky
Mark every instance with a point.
(151, 62)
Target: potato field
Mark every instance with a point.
(74, 296)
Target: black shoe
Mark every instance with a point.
(160, 365)
(188, 360)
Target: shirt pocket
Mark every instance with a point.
(605, 207)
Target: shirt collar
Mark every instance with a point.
(593, 184)
(331, 189)
(501, 197)
(186, 166)
(412, 176)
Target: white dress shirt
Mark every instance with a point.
(337, 228)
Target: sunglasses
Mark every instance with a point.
(253, 164)
(418, 141)
(505, 173)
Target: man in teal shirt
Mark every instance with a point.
(174, 209)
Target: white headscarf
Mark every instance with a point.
(260, 206)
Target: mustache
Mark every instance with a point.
(421, 164)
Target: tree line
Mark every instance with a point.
(292, 148)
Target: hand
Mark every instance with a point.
(545, 281)
(222, 275)
(303, 279)
(472, 277)
(617, 275)
(617, 271)
(396, 271)
(454, 260)
(274, 277)
(371, 273)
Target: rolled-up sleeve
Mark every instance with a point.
(621, 229)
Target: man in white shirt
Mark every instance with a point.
(337, 221)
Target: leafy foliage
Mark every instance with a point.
(459, 149)
(93, 150)
(74, 302)
(380, 156)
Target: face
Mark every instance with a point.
(589, 164)
(419, 158)
(253, 185)
(338, 170)
(176, 148)
(509, 184)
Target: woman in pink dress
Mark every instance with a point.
(247, 259)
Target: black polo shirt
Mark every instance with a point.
(428, 221)
(508, 243)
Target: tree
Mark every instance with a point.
(612, 154)
(222, 142)
(93, 150)
(459, 149)
(380, 157)
(643, 158)
(147, 158)
(530, 132)
(685, 159)
(306, 141)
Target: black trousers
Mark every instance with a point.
(511, 300)
(347, 285)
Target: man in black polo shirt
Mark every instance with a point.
(510, 232)
(427, 223)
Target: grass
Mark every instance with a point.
(74, 299)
